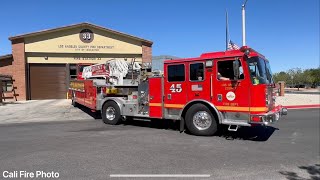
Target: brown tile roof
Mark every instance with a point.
(7, 56)
(5, 77)
(79, 25)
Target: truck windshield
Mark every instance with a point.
(260, 71)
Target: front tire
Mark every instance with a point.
(111, 113)
(200, 121)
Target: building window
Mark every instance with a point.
(7, 86)
(197, 72)
(176, 73)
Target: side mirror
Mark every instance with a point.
(236, 71)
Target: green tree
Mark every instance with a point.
(309, 78)
(315, 73)
(296, 75)
(281, 76)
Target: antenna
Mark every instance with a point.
(244, 23)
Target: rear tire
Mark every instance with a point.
(200, 121)
(111, 113)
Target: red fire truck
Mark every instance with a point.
(233, 87)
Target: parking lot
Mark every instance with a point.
(51, 135)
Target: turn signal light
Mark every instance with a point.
(256, 118)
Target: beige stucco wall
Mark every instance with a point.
(76, 59)
(68, 41)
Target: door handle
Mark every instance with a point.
(211, 88)
(169, 96)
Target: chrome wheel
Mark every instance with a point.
(202, 120)
(110, 113)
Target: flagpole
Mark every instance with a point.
(227, 30)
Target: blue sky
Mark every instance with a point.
(285, 31)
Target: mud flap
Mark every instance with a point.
(181, 124)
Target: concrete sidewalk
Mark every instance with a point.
(298, 99)
(41, 111)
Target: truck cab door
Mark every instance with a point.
(175, 92)
(231, 95)
(199, 81)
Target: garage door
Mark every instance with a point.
(48, 81)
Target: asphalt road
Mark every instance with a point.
(88, 149)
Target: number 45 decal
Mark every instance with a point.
(176, 88)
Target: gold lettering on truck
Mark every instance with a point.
(77, 85)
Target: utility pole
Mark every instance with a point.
(244, 23)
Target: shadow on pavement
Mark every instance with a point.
(312, 170)
(157, 124)
(11, 102)
(257, 133)
(95, 115)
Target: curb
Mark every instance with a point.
(303, 106)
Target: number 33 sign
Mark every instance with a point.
(176, 88)
(86, 36)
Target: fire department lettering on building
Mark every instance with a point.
(233, 87)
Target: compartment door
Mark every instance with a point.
(156, 97)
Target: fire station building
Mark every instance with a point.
(42, 63)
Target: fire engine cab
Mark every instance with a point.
(233, 87)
